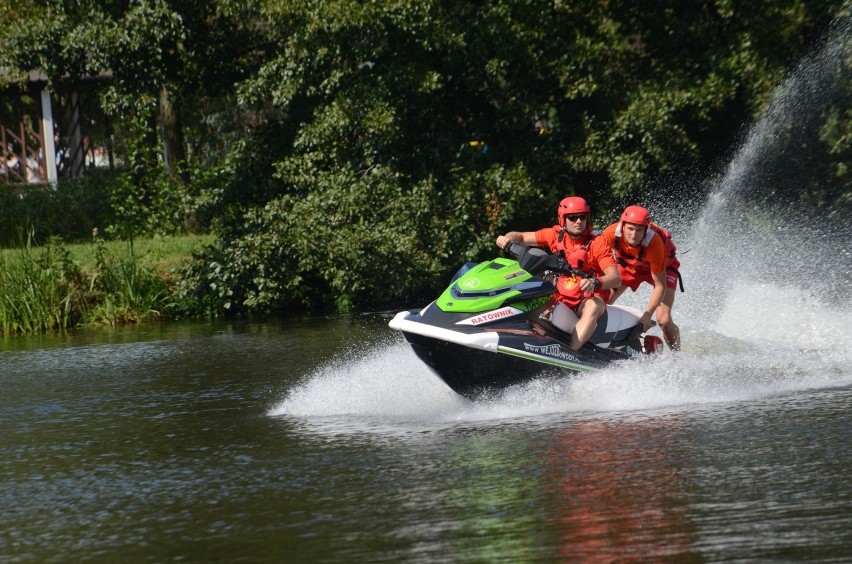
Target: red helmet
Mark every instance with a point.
(571, 205)
(637, 215)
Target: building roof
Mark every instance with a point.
(39, 77)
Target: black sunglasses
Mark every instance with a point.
(574, 217)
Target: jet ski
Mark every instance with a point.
(498, 325)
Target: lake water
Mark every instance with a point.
(326, 440)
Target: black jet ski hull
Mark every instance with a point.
(477, 360)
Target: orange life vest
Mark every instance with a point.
(636, 264)
(577, 256)
(568, 284)
(671, 249)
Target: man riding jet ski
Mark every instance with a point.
(492, 327)
(574, 239)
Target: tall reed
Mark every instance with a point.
(123, 290)
(40, 290)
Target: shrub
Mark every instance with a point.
(70, 210)
(357, 242)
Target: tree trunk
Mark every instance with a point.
(174, 148)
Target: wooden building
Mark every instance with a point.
(41, 131)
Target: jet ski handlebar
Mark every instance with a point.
(535, 260)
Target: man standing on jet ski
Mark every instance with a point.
(645, 253)
(573, 239)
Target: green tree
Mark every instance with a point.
(168, 63)
(408, 134)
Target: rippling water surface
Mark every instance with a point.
(326, 440)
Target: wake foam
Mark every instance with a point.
(387, 380)
(388, 387)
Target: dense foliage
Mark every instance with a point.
(338, 145)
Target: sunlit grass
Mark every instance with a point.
(162, 254)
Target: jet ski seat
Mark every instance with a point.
(564, 318)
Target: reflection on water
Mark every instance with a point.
(620, 490)
(327, 440)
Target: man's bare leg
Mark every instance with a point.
(671, 332)
(589, 311)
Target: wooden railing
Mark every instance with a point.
(22, 155)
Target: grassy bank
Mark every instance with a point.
(161, 254)
(57, 286)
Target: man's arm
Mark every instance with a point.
(610, 279)
(656, 298)
(527, 237)
(600, 258)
